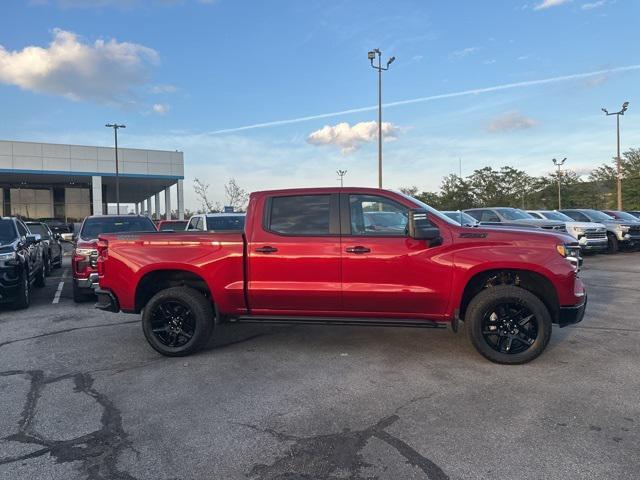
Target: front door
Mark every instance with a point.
(384, 272)
(294, 256)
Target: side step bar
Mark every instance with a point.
(365, 322)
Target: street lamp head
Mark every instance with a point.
(390, 61)
(605, 111)
(625, 105)
(371, 55)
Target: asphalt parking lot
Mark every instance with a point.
(82, 395)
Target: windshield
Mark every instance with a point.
(429, 209)
(514, 214)
(173, 226)
(93, 227)
(597, 216)
(626, 216)
(461, 217)
(226, 222)
(557, 216)
(7, 231)
(39, 229)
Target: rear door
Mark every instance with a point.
(384, 271)
(294, 255)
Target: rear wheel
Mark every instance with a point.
(612, 243)
(178, 321)
(48, 265)
(508, 324)
(24, 292)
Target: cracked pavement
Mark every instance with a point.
(82, 396)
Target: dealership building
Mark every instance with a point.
(46, 180)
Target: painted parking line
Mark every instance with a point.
(56, 297)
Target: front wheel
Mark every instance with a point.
(41, 281)
(23, 298)
(612, 243)
(508, 324)
(178, 321)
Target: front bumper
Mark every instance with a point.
(9, 283)
(573, 314)
(90, 282)
(106, 301)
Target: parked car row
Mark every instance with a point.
(28, 253)
(595, 230)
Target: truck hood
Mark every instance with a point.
(573, 225)
(518, 233)
(539, 222)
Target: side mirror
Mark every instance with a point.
(57, 236)
(421, 229)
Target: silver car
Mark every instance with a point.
(591, 236)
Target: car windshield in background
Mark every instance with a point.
(557, 216)
(175, 226)
(93, 227)
(597, 216)
(392, 220)
(39, 229)
(514, 214)
(431, 210)
(225, 222)
(462, 218)
(626, 216)
(7, 231)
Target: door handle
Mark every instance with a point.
(266, 249)
(358, 249)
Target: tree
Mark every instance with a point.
(236, 197)
(201, 190)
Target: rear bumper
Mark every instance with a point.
(91, 282)
(107, 301)
(573, 314)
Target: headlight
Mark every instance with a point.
(561, 250)
(623, 228)
(8, 256)
(578, 229)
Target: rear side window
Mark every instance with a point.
(93, 227)
(300, 215)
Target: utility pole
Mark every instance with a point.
(624, 108)
(341, 174)
(559, 176)
(115, 127)
(372, 56)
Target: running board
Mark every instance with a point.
(365, 322)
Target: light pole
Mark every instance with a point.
(372, 56)
(341, 174)
(624, 108)
(115, 127)
(559, 164)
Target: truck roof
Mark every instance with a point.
(312, 190)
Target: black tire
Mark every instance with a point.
(612, 243)
(48, 265)
(508, 324)
(81, 295)
(178, 321)
(23, 300)
(41, 276)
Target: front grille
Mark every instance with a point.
(596, 234)
(634, 230)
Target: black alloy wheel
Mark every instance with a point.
(510, 328)
(173, 323)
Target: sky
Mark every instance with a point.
(280, 93)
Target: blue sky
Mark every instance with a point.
(188, 75)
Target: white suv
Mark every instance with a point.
(591, 236)
(216, 222)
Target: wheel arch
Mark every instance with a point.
(154, 281)
(535, 282)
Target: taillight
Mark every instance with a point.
(85, 257)
(103, 253)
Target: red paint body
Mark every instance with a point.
(313, 276)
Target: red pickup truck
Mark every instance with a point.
(357, 256)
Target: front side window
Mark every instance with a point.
(488, 216)
(514, 214)
(40, 229)
(22, 230)
(300, 215)
(374, 215)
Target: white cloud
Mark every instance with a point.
(591, 6)
(550, 3)
(510, 121)
(465, 52)
(160, 108)
(105, 71)
(491, 61)
(350, 138)
(157, 89)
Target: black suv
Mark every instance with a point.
(51, 244)
(21, 262)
